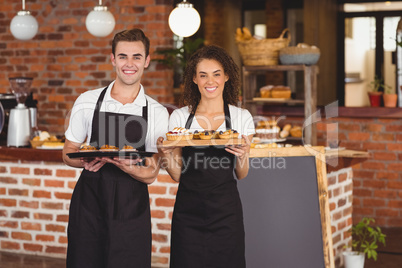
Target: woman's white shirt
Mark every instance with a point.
(241, 120)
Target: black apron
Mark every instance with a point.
(207, 224)
(109, 220)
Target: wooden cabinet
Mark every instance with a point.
(251, 100)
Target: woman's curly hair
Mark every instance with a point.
(192, 96)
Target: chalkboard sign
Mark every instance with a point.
(285, 208)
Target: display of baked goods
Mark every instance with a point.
(44, 137)
(179, 133)
(275, 92)
(108, 148)
(267, 129)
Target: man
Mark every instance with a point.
(109, 221)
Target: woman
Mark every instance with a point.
(207, 224)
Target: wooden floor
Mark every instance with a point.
(389, 256)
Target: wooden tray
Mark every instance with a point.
(212, 142)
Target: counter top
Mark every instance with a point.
(334, 158)
(12, 154)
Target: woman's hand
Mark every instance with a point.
(170, 159)
(164, 151)
(93, 165)
(242, 151)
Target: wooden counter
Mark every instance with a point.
(12, 154)
(28, 154)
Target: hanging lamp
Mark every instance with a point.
(184, 20)
(24, 26)
(100, 22)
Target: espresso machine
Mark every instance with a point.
(20, 121)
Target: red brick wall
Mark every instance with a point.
(377, 182)
(34, 204)
(65, 60)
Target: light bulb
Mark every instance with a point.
(184, 20)
(24, 26)
(100, 22)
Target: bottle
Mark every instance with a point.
(399, 62)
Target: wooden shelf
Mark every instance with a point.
(310, 93)
(276, 100)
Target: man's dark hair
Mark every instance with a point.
(131, 36)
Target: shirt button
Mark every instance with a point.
(111, 107)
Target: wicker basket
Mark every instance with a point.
(262, 52)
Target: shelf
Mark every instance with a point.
(310, 94)
(276, 100)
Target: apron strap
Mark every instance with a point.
(96, 111)
(228, 122)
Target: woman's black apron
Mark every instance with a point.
(109, 221)
(207, 224)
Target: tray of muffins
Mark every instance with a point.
(181, 137)
(127, 151)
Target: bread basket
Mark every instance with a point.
(258, 52)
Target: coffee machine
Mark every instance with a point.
(19, 124)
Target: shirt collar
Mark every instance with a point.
(140, 100)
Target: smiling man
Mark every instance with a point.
(109, 221)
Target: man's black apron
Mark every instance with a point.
(109, 222)
(207, 224)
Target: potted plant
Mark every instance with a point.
(365, 241)
(176, 58)
(390, 97)
(375, 92)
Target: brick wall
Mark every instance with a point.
(340, 194)
(377, 189)
(65, 60)
(34, 204)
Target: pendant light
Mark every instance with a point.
(100, 22)
(184, 20)
(23, 26)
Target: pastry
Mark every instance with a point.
(88, 148)
(225, 134)
(228, 134)
(196, 135)
(205, 135)
(128, 148)
(107, 147)
(235, 134)
(179, 133)
(281, 92)
(296, 132)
